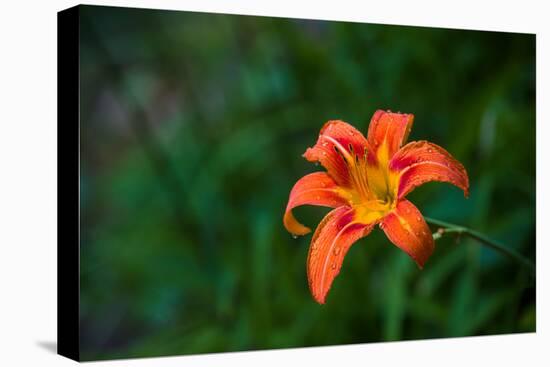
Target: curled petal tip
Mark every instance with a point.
(320, 300)
(317, 188)
(293, 226)
(420, 264)
(303, 232)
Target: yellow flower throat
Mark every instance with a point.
(372, 187)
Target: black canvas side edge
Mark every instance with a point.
(68, 178)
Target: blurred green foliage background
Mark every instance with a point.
(192, 130)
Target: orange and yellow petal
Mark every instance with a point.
(387, 132)
(329, 245)
(338, 146)
(407, 229)
(317, 188)
(419, 162)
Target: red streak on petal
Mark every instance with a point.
(420, 162)
(329, 245)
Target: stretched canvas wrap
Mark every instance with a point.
(232, 183)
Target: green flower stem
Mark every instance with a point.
(445, 228)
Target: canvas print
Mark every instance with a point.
(252, 183)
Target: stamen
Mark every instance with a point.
(357, 167)
(340, 154)
(339, 146)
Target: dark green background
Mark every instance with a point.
(192, 130)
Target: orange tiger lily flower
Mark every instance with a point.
(366, 182)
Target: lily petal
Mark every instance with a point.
(421, 161)
(338, 145)
(317, 188)
(387, 132)
(330, 243)
(407, 229)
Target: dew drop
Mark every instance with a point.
(333, 266)
(336, 251)
(324, 153)
(430, 150)
(295, 236)
(351, 133)
(418, 219)
(325, 144)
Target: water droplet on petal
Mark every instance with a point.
(295, 236)
(333, 266)
(336, 251)
(324, 153)
(430, 150)
(418, 219)
(325, 144)
(351, 133)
